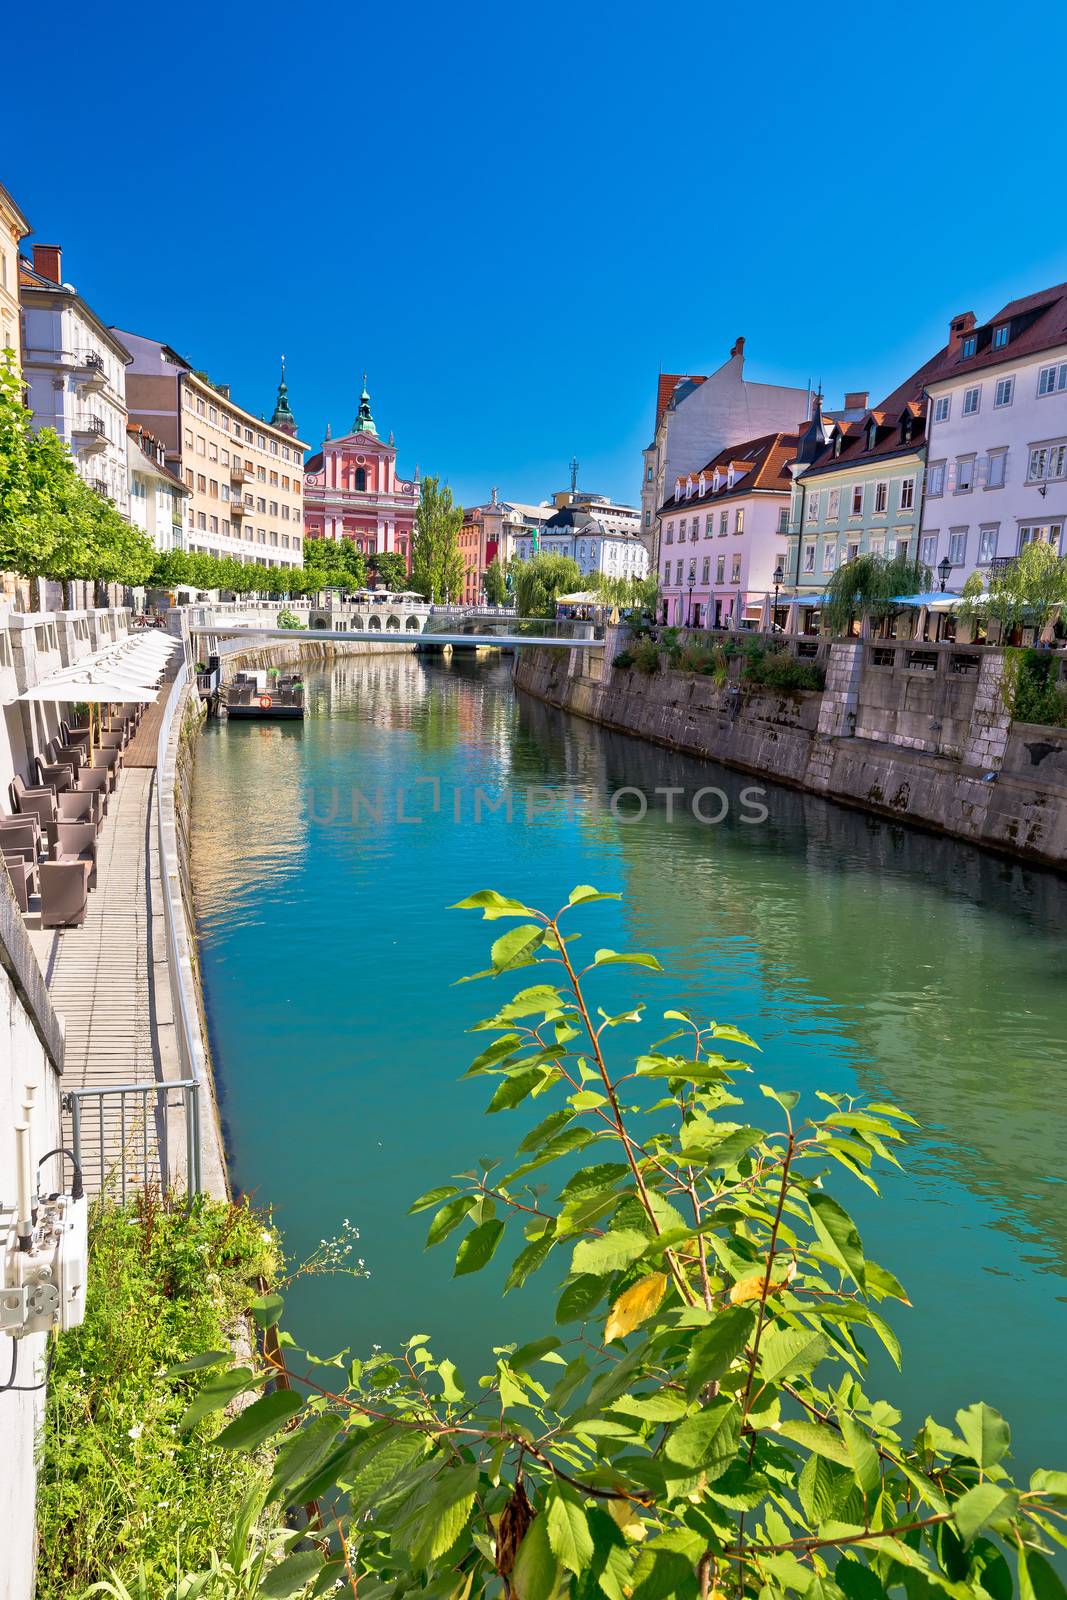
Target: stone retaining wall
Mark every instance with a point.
(917, 734)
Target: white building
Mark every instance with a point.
(996, 469)
(598, 549)
(75, 372)
(698, 416)
(157, 496)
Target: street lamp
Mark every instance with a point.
(689, 613)
(944, 567)
(779, 579)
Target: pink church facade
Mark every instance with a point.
(352, 491)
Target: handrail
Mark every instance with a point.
(191, 1054)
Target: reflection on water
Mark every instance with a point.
(862, 956)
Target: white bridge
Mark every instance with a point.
(396, 619)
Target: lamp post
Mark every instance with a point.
(779, 576)
(689, 613)
(944, 567)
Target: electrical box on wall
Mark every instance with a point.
(44, 1286)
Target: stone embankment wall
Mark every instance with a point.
(303, 651)
(919, 733)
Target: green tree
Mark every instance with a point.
(437, 566)
(1027, 590)
(865, 588)
(697, 1422)
(496, 583)
(15, 504)
(539, 582)
(390, 570)
(640, 593)
(335, 563)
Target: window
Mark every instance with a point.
(972, 398)
(1040, 533)
(681, 530)
(648, 474)
(201, 483)
(903, 546)
(935, 479)
(833, 505)
(705, 571)
(1000, 336)
(670, 533)
(720, 569)
(877, 545)
(813, 508)
(694, 531)
(970, 345)
(852, 551)
(739, 520)
(907, 494)
(213, 488)
(809, 558)
(783, 519)
(964, 474)
(1046, 461)
(1004, 393)
(857, 500)
(724, 518)
(707, 525)
(648, 519)
(735, 570)
(928, 549)
(1052, 380)
(957, 546)
(881, 499)
(829, 556)
(942, 408)
(987, 543)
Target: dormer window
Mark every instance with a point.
(716, 482)
(839, 443)
(1001, 335)
(970, 345)
(872, 435)
(906, 428)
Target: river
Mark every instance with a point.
(863, 956)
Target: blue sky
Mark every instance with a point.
(514, 218)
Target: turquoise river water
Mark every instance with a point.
(863, 957)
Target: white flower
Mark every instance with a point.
(265, 1236)
(136, 1431)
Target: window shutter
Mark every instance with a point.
(983, 471)
(950, 477)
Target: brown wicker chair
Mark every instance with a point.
(64, 893)
(76, 841)
(23, 877)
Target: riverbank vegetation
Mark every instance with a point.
(538, 583)
(697, 1421)
(121, 1488)
(437, 566)
(763, 664)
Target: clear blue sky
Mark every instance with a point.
(513, 218)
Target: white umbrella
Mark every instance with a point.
(92, 690)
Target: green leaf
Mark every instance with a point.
(450, 1216)
(536, 1570)
(447, 1513)
(1038, 1580)
(217, 1393)
(492, 905)
(716, 1346)
(786, 1098)
(621, 958)
(206, 1358)
(432, 1197)
(569, 1537)
(593, 1180)
(291, 1576)
(863, 1457)
(839, 1235)
(986, 1433)
(585, 892)
(451, 1391)
(260, 1420)
(517, 947)
(856, 1580)
(267, 1310)
(823, 1440)
(723, 1030)
(512, 1091)
(541, 997)
(977, 1508)
(507, 1045)
(479, 1247)
(564, 1144)
(529, 1258)
(579, 1298)
(1050, 1483)
(611, 1252)
(298, 1455)
(789, 1350)
(708, 1440)
(527, 1354)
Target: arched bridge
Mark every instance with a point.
(400, 622)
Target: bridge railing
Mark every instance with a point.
(509, 626)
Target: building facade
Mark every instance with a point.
(157, 495)
(352, 490)
(13, 229)
(75, 372)
(723, 535)
(699, 416)
(598, 550)
(492, 532)
(244, 476)
(997, 472)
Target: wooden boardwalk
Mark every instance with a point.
(141, 750)
(108, 981)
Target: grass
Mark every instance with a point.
(119, 1485)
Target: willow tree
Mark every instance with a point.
(496, 583)
(866, 589)
(1027, 590)
(437, 566)
(540, 581)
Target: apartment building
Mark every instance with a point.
(157, 495)
(75, 372)
(13, 229)
(996, 477)
(244, 476)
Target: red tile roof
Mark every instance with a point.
(907, 397)
(668, 382)
(1039, 322)
(766, 468)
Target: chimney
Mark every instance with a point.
(856, 399)
(48, 261)
(739, 346)
(961, 324)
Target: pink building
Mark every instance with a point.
(352, 491)
(722, 535)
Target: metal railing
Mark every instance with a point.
(120, 1134)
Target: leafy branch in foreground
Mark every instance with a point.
(697, 1425)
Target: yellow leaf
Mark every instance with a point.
(623, 1513)
(634, 1305)
(749, 1288)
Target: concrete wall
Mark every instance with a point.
(31, 1052)
(919, 733)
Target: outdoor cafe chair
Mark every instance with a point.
(76, 841)
(23, 875)
(64, 893)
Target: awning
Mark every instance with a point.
(588, 597)
(804, 600)
(128, 670)
(936, 597)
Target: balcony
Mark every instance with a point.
(99, 486)
(90, 375)
(89, 434)
(239, 509)
(238, 473)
